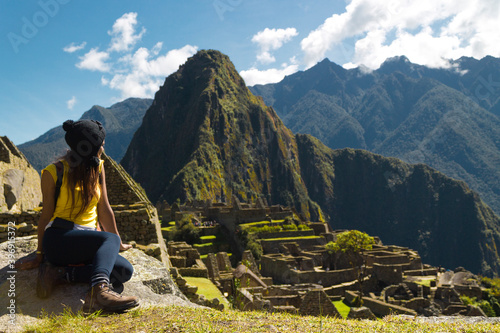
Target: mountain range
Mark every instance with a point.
(120, 120)
(445, 118)
(207, 137)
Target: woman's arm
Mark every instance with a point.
(106, 215)
(48, 192)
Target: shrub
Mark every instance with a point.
(487, 308)
(248, 239)
(290, 227)
(186, 231)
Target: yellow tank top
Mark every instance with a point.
(65, 209)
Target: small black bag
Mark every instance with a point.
(62, 224)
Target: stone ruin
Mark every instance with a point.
(228, 215)
(19, 181)
(395, 279)
(186, 262)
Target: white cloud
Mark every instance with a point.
(271, 40)
(71, 103)
(255, 76)
(136, 73)
(428, 32)
(141, 73)
(123, 33)
(94, 61)
(73, 47)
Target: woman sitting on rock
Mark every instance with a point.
(67, 230)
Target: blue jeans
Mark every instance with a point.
(89, 256)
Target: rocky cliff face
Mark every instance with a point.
(404, 204)
(207, 137)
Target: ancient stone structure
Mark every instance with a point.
(296, 264)
(19, 181)
(136, 217)
(228, 215)
(317, 303)
(186, 259)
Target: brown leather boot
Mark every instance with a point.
(49, 276)
(102, 297)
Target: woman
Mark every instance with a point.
(67, 230)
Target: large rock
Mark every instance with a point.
(151, 282)
(361, 313)
(13, 185)
(19, 182)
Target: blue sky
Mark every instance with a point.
(61, 57)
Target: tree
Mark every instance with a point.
(353, 243)
(186, 231)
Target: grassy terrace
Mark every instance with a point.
(290, 238)
(258, 224)
(181, 319)
(342, 308)
(207, 289)
(203, 256)
(210, 237)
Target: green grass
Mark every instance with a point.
(203, 245)
(208, 237)
(207, 289)
(259, 223)
(191, 320)
(425, 281)
(342, 308)
(253, 224)
(289, 238)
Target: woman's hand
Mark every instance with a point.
(125, 247)
(29, 262)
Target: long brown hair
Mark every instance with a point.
(84, 176)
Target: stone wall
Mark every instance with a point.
(273, 246)
(225, 214)
(285, 234)
(136, 223)
(324, 278)
(19, 181)
(379, 308)
(23, 223)
(317, 303)
(136, 217)
(277, 267)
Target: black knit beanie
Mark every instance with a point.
(85, 138)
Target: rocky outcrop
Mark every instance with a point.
(151, 282)
(19, 182)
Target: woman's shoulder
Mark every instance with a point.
(52, 169)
